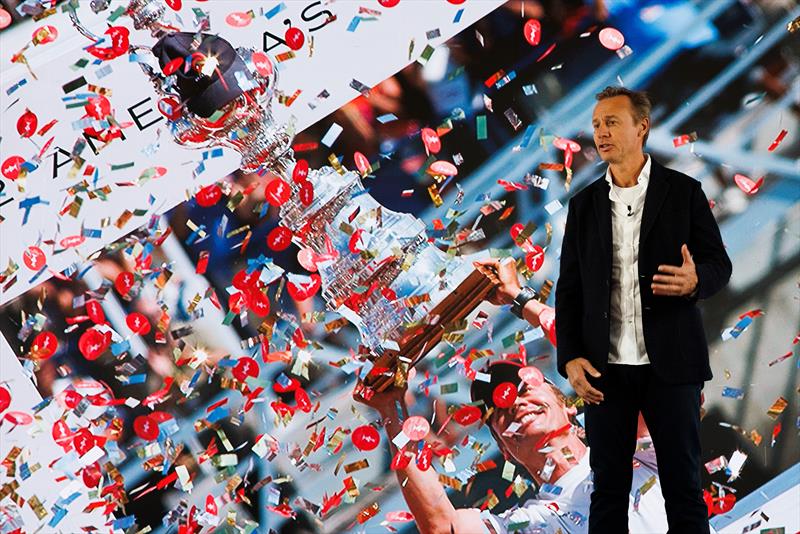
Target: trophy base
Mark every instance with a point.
(417, 342)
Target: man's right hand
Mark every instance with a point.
(576, 373)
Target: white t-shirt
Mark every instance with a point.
(569, 510)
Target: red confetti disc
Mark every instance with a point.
(172, 66)
(72, 398)
(209, 195)
(306, 257)
(456, 2)
(138, 323)
(11, 167)
(294, 38)
(444, 168)
(611, 38)
(416, 427)
(305, 291)
(531, 375)
(72, 241)
(236, 302)
(466, 415)
(175, 5)
(277, 192)
(365, 438)
(262, 63)
(431, 140)
(279, 238)
(400, 460)
(211, 505)
(170, 107)
(245, 368)
(94, 343)
(243, 280)
(292, 385)
(146, 427)
(92, 475)
(45, 34)
(95, 312)
(34, 258)
(424, 458)
(533, 32)
(98, 107)
(83, 441)
(257, 301)
(399, 516)
(44, 345)
(300, 172)
(5, 399)
(388, 3)
(362, 163)
(355, 241)
(238, 19)
(5, 18)
(535, 258)
(302, 400)
(124, 283)
(18, 418)
(547, 318)
(306, 193)
(504, 395)
(747, 185)
(27, 123)
(61, 433)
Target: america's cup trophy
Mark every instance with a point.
(377, 267)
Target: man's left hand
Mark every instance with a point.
(676, 281)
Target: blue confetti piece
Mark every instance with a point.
(733, 393)
(58, 515)
(389, 117)
(119, 348)
(526, 138)
(505, 79)
(217, 414)
(275, 10)
(92, 233)
(458, 16)
(354, 24)
(123, 523)
(136, 379)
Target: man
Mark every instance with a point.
(640, 247)
(538, 433)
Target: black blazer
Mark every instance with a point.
(676, 211)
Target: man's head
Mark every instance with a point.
(621, 123)
(539, 408)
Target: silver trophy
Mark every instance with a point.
(377, 267)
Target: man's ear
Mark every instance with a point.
(572, 411)
(645, 122)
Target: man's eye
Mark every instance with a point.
(523, 388)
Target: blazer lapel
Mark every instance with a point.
(602, 209)
(654, 198)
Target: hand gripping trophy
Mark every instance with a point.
(377, 267)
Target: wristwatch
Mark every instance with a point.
(522, 298)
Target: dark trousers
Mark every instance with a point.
(672, 414)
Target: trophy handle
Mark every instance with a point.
(418, 342)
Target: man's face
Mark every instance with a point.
(538, 410)
(616, 133)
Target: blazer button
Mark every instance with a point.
(605, 315)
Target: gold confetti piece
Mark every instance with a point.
(37, 507)
(450, 482)
(649, 483)
(350, 487)
(335, 325)
(777, 407)
(123, 219)
(356, 466)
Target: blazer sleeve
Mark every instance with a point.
(569, 297)
(711, 261)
